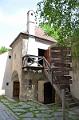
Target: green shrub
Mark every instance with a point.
(3, 49)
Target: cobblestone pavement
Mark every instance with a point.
(30, 110)
(5, 114)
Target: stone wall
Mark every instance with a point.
(75, 78)
(30, 84)
(5, 73)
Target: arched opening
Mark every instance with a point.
(49, 93)
(16, 85)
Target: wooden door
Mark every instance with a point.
(49, 93)
(41, 53)
(16, 88)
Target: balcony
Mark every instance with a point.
(32, 62)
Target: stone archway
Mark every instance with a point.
(49, 93)
(16, 85)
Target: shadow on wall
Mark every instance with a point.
(5, 76)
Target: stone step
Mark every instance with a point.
(73, 104)
(70, 100)
(68, 95)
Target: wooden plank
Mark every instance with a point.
(61, 73)
(61, 57)
(61, 48)
(59, 52)
(62, 82)
(63, 86)
(65, 77)
(61, 69)
(65, 60)
(56, 56)
(56, 59)
(66, 57)
(60, 64)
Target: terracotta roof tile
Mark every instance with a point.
(39, 33)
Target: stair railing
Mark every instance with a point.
(47, 69)
(49, 73)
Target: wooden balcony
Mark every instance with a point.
(32, 62)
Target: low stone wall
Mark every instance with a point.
(75, 78)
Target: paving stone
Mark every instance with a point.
(4, 114)
(27, 115)
(30, 111)
(36, 119)
(18, 110)
(40, 115)
(24, 106)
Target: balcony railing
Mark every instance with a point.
(32, 61)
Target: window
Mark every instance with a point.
(9, 56)
(7, 84)
(32, 14)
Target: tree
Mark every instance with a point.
(3, 49)
(59, 18)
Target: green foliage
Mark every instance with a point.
(60, 19)
(3, 49)
(50, 31)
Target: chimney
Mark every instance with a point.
(31, 22)
(32, 48)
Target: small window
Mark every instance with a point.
(32, 14)
(9, 56)
(7, 84)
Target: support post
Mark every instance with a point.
(63, 104)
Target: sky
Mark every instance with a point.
(13, 18)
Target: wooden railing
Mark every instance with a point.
(47, 69)
(32, 61)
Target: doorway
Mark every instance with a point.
(41, 52)
(16, 89)
(49, 93)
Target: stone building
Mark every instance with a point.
(27, 78)
(22, 75)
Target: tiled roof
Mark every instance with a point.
(39, 33)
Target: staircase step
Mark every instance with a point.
(70, 100)
(73, 104)
(68, 94)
